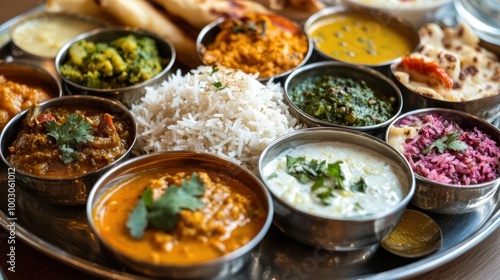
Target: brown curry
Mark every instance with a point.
(36, 150)
(232, 215)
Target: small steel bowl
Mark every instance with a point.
(31, 75)
(71, 190)
(487, 108)
(374, 79)
(223, 266)
(208, 34)
(127, 95)
(447, 198)
(338, 234)
(38, 35)
(35, 36)
(380, 18)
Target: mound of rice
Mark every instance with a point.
(216, 110)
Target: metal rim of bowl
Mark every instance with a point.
(47, 104)
(61, 56)
(339, 64)
(93, 200)
(402, 203)
(443, 111)
(30, 65)
(214, 24)
(47, 14)
(388, 17)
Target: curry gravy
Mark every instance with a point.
(232, 215)
(359, 38)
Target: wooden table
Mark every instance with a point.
(482, 262)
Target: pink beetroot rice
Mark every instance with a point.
(478, 164)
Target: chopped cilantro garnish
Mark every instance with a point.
(327, 177)
(449, 142)
(73, 132)
(163, 213)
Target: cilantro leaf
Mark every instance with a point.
(164, 212)
(147, 198)
(449, 141)
(359, 186)
(320, 172)
(335, 172)
(272, 176)
(73, 132)
(137, 220)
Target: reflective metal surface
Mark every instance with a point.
(209, 32)
(62, 232)
(127, 95)
(381, 85)
(446, 198)
(70, 190)
(338, 234)
(223, 266)
(67, 237)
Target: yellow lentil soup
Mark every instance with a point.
(229, 216)
(359, 38)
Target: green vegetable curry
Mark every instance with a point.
(342, 101)
(123, 62)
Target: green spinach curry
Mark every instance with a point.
(123, 62)
(342, 101)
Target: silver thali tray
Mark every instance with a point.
(64, 234)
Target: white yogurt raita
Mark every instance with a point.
(383, 179)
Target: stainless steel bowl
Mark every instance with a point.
(446, 198)
(374, 79)
(223, 266)
(337, 234)
(209, 32)
(42, 48)
(487, 108)
(71, 190)
(31, 75)
(127, 95)
(379, 17)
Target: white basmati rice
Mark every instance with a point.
(215, 110)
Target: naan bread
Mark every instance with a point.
(474, 70)
(88, 7)
(199, 13)
(298, 10)
(141, 14)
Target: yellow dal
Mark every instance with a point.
(358, 38)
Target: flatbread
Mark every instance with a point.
(298, 10)
(199, 13)
(88, 7)
(474, 70)
(141, 14)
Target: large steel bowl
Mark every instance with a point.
(71, 190)
(220, 267)
(338, 234)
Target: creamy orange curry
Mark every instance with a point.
(229, 217)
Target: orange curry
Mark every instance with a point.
(264, 44)
(232, 215)
(15, 97)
